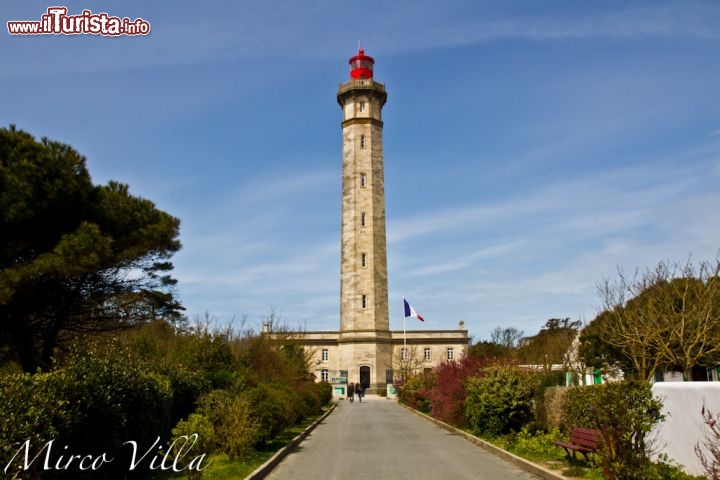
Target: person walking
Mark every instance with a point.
(359, 390)
(351, 392)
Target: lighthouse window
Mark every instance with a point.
(364, 301)
(362, 219)
(363, 179)
(363, 259)
(362, 106)
(362, 141)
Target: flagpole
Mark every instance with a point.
(404, 350)
(404, 334)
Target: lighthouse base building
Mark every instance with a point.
(365, 350)
(383, 358)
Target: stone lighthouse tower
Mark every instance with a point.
(365, 350)
(364, 341)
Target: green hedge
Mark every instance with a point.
(93, 406)
(500, 401)
(624, 412)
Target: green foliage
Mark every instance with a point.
(235, 427)
(547, 380)
(415, 393)
(187, 386)
(554, 408)
(448, 392)
(537, 445)
(325, 392)
(74, 257)
(500, 401)
(596, 352)
(94, 404)
(275, 359)
(491, 351)
(208, 352)
(198, 432)
(112, 398)
(551, 343)
(276, 406)
(624, 412)
(30, 410)
(200, 425)
(664, 469)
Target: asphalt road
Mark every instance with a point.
(378, 439)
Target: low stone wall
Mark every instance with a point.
(683, 427)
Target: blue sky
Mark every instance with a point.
(531, 148)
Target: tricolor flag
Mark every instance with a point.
(410, 312)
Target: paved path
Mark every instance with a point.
(378, 439)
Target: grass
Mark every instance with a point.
(538, 447)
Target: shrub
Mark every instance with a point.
(235, 427)
(29, 411)
(187, 386)
(531, 445)
(624, 412)
(447, 395)
(277, 407)
(665, 469)
(500, 401)
(202, 426)
(547, 380)
(555, 408)
(316, 395)
(311, 400)
(93, 405)
(204, 444)
(326, 392)
(415, 393)
(112, 398)
(710, 456)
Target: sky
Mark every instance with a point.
(532, 149)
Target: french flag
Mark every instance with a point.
(410, 312)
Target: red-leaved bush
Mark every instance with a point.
(447, 396)
(415, 392)
(710, 455)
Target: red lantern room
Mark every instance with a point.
(361, 65)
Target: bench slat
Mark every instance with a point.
(572, 446)
(583, 440)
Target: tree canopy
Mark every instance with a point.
(666, 318)
(550, 346)
(74, 257)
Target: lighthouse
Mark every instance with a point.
(364, 350)
(364, 320)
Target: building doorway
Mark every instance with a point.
(365, 377)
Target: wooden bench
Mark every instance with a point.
(583, 440)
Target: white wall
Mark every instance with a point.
(683, 427)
